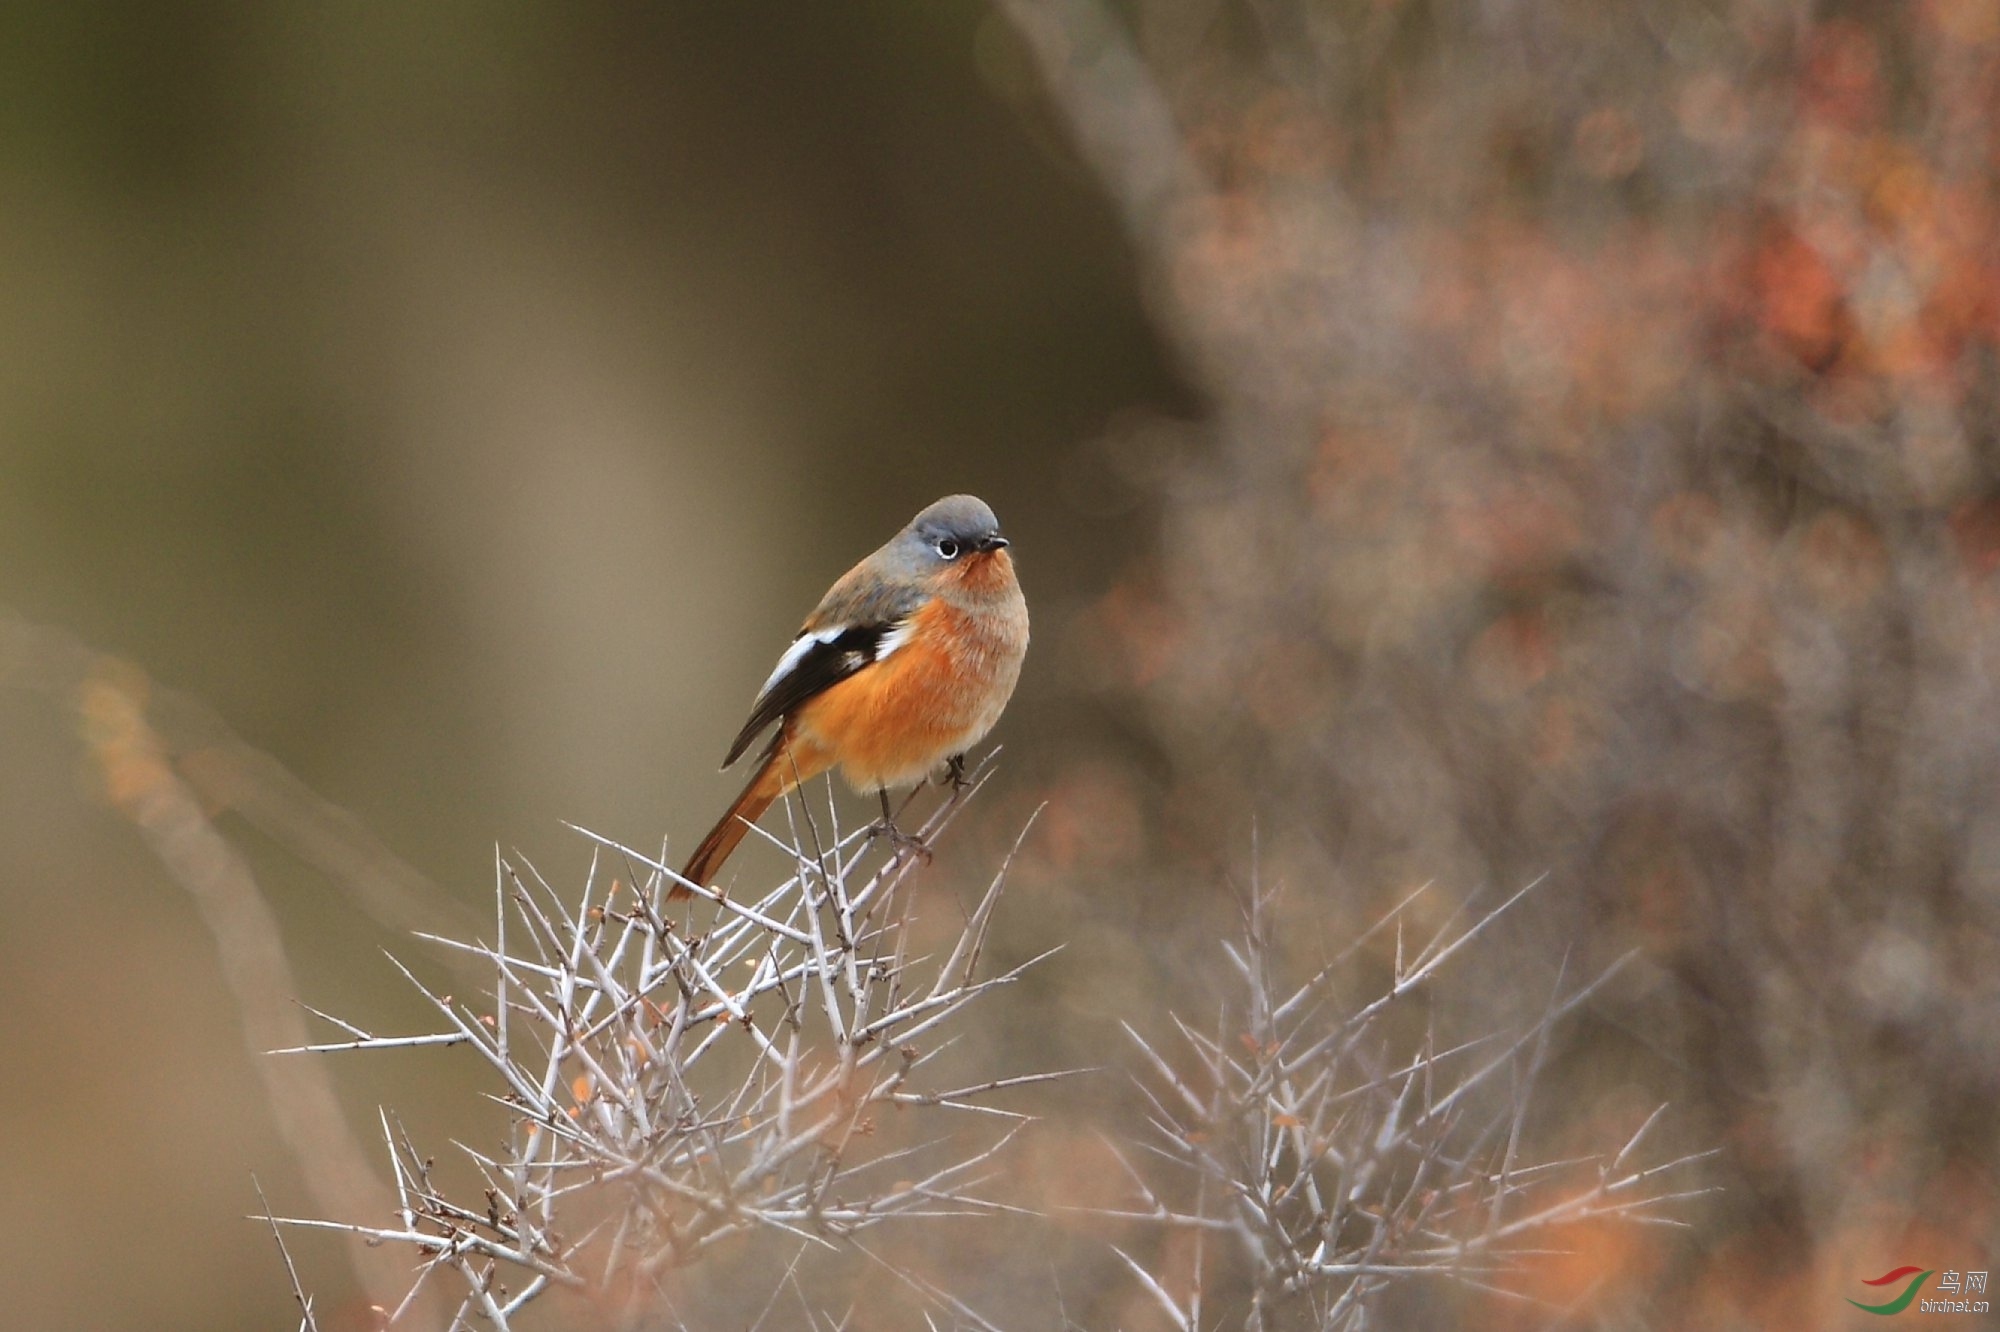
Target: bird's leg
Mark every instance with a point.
(954, 771)
(899, 839)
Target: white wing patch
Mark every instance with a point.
(899, 634)
(794, 654)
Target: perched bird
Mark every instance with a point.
(906, 663)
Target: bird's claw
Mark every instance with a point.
(902, 841)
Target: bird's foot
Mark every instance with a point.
(900, 840)
(954, 774)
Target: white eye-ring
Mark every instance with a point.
(947, 549)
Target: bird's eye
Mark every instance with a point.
(947, 549)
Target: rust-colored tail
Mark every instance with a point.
(785, 765)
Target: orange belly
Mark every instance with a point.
(893, 722)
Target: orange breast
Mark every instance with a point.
(891, 723)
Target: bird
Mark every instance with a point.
(905, 664)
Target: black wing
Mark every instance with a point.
(814, 662)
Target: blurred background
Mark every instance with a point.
(1443, 443)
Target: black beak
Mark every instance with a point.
(994, 542)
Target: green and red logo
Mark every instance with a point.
(1901, 1302)
(1955, 1291)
